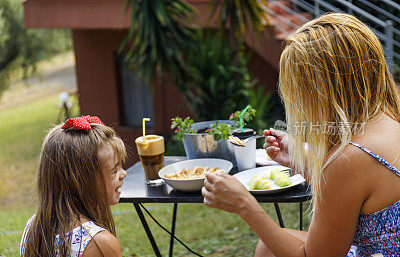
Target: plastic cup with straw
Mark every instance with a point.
(245, 156)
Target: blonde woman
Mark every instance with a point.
(335, 82)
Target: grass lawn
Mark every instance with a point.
(207, 231)
(22, 129)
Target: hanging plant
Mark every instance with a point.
(161, 32)
(239, 15)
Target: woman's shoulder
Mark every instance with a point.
(349, 162)
(349, 169)
(356, 166)
(381, 137)
(103, 243)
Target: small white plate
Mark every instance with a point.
(245, 176)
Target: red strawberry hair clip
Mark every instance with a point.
(82, 122)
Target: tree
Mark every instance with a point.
(238, 16)
(159, 35)
(162, 41)
(21, 48)
(9, 41)
(161, 32)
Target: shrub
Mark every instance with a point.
(219, 86)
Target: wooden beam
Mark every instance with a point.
(76, 14)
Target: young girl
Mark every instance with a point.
(334, 82)
(78, 178)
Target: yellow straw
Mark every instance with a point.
(144, 128)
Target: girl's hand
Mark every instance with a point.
(276, 145)
(225, 192)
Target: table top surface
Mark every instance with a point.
(135, 189)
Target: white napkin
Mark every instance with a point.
(262, 158)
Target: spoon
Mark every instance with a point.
(242, 143)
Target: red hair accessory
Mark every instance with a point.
(82, 122)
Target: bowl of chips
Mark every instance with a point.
(189, 175)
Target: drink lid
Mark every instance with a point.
(247, 132)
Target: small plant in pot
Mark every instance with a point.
(207, 139)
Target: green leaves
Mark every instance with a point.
(240, 14)
(212, 75)
(263, 102)
(161, 32)
(21, 48)
(220, 85)
(247, 116)
(220, 131)
(182, 126)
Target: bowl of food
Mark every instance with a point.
(189, 175)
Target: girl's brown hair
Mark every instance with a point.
(333, 72)
(70, 185)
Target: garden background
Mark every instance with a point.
(36, 65)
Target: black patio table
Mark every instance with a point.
(136, 191)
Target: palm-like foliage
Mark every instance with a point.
(239, 15)
(159, 35)
(213, 77)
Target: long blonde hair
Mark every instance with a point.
(333, 76)
(70, 185)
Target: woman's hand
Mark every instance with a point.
(276, 145)
(225, 192)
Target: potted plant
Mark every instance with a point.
(207, 139)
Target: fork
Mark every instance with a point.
(247, 140)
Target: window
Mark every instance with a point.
(136, 98)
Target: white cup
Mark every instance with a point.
(246, 156)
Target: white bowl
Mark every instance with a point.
(192, 185)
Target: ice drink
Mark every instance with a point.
(151, 153)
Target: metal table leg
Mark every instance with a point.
(147, 229)
(278, 213)
(301, 215)
(171, 242)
